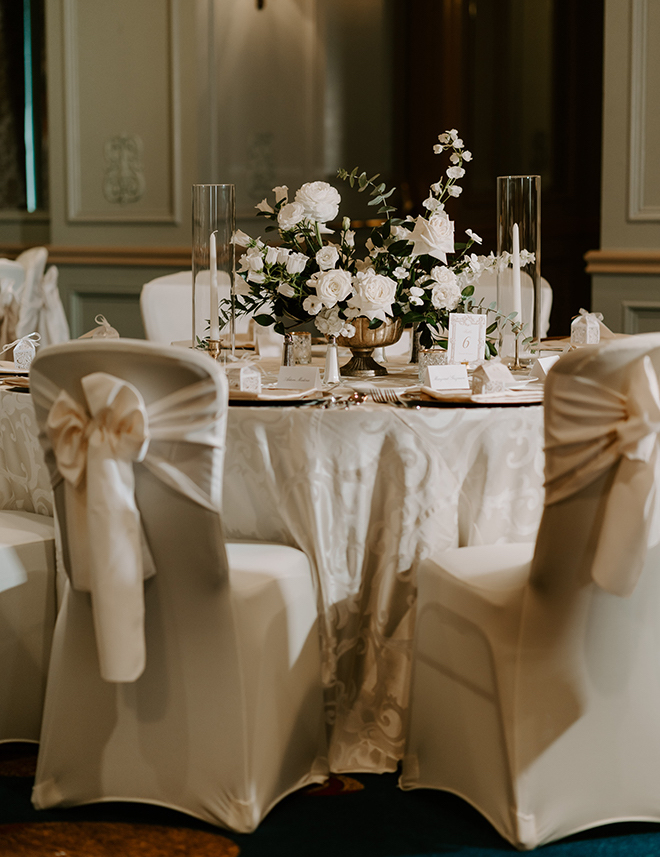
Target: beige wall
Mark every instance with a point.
(626, 269)
(146, 97)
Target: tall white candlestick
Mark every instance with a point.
(214, 322)
(517, 288)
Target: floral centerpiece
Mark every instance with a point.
(413, 271)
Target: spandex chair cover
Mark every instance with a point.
(166, 306)
(27, 619)
(486, 288)
(185, 672)
(536, 688)
(12, 277)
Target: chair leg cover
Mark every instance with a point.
(27, 620)
(227, 717)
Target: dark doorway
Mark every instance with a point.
(522, 82)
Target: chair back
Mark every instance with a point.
(486, 288)
(133, 435)
(588, 645)
(166, 306)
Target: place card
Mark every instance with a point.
(446, 377)
(299, 377)
(492, 377)
(467, 337)
(542, 366)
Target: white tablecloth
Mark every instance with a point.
(366, 493)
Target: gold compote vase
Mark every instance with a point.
(362, 344)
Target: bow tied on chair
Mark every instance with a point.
(95, 452)
(590, 429)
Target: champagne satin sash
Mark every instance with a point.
(95, 449)
(590, 428)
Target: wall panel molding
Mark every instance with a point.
(171, 257)
(643, 48)
(623, 261)
(86, 202)
(639, 316)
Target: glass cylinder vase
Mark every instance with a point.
(519, 285)
(213, 226)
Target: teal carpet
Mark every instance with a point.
(377, 821)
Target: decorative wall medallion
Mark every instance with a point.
(261, 165)
(123, 180)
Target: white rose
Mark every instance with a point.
(331, 286)
(290, 215)
(434, 236)
(320, 201)
(313, 304)
(295, 263)
(327, 257)
(374, 294)
(446, 293)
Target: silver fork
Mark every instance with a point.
(386, 395)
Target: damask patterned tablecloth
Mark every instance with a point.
(366, 493)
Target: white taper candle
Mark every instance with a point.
(214, 332)
(515, 262)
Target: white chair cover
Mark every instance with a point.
(33, 303)
(52, 323)
(27, 620)
(536, 690)
(214, 704)
(12, 276)
(486, 288)
(166, 306)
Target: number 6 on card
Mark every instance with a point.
(467, 337)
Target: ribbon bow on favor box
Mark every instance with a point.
(588, 328)
(95, 448)
(24, 350)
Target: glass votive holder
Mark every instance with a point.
(435, 356)
(301, 344)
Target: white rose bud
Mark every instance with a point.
(327, 257)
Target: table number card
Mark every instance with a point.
(467, 337)
(299, 378)
(446, 377)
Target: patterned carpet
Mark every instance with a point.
(364, 815)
